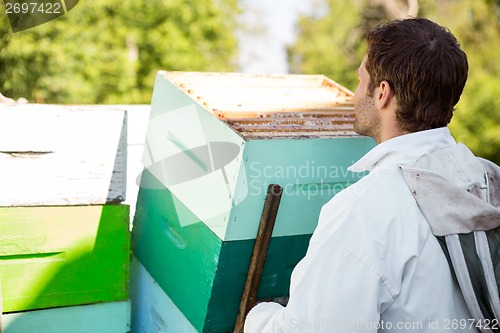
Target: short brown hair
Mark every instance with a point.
(424, 65)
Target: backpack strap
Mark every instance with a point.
(462, 273)
(471, 262)
(484, 254)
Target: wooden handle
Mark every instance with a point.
(262, 241)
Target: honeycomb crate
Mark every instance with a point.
(215, 142)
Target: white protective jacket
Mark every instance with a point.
(373, 263)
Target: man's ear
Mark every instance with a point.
(384, 94)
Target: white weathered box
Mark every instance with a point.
(62, 155)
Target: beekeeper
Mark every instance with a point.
(373, 264)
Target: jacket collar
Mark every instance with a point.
(404, 149)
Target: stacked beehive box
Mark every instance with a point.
(214, 144)
(64, 236)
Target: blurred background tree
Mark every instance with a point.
(107, 51)
(477, 119)
(331, 42)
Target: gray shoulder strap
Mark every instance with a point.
(464, 281)
(483, 252)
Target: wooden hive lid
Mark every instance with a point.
(272, 106)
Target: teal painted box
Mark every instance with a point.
(108, 317)
(215, 141)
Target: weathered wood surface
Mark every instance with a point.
(62, 155)
(286, 106)
(109, 317)
(60, 256)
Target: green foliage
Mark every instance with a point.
(477, 119)
(106, 51)
(332, 43)
(331, 40)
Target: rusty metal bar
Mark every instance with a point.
(262, 241)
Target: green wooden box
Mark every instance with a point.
(215, 142)
(61, 256)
